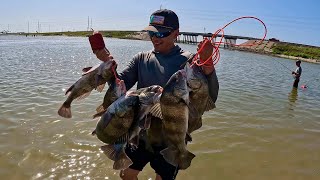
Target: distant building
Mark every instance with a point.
(274, 40)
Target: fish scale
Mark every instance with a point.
(174, 103)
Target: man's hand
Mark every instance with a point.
(206, 51)
(103, 54)
(98, 47)
(204, 54)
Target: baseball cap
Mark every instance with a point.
(163, 20)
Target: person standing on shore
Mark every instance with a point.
(297, 74)
(155, 67)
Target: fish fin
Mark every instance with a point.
(65, 111)
(143, 120)
(69, 90)
(145, 123)
(133, 137)
(123, 139)
(185, 160)
(156, 111)
(100, 87)
(112, 150)
(90, 70)
(134, 141)
(98, 114)
(194, 124)
(188, 138)
(94, 132)
(100, 108)
(210, 105)
(83, 96)
(122, 161)
(170, 155)
(86, 69)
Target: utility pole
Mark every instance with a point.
(91, 24)
(28, 27)
(38, 27)
(88, 24)
(160, 6)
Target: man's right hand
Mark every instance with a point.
(103, 54)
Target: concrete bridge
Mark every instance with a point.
(192, 38)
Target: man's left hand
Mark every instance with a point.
(206, 51)
(204, 54)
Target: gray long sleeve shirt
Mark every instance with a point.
(152, 68)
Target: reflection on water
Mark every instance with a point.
(293, 97)
(252, 134)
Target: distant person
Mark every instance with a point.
(155, 67)
(297, 74)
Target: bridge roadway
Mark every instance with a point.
(218, 35)
(192, 38)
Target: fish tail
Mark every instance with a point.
(170, 156)
(122, 162)
(185, 160)
(116, 153)
(65, 110)
(176, 158)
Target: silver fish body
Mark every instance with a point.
(95, 78)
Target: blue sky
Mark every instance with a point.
(287, 20)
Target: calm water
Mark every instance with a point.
(261, 128)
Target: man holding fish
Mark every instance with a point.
(155, 67)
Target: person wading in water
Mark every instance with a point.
(297, 74)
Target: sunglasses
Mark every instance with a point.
(159, 34)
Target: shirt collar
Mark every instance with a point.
(176, 49)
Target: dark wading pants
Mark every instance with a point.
(295, 83)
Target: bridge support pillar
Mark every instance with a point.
(228, 43)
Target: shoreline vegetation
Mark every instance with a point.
(268, 47)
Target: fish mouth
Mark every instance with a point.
(157, 89)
